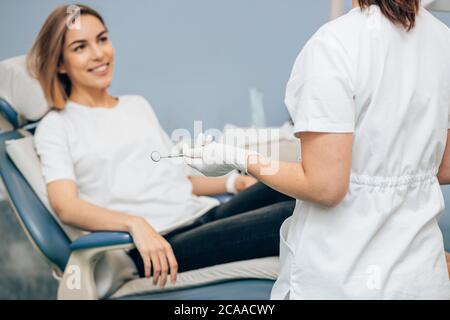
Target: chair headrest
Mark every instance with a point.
(21, 95)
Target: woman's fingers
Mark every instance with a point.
(158, 257)
(156, 267)
(156, 253)
(164, 268)
(147, 264)
(173, 264)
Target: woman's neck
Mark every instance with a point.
(93, 98)
(355, 3)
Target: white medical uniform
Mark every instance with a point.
(391, 88)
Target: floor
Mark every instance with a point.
(23, 273)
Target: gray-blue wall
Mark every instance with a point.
(193, 60)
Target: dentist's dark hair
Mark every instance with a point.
(46, 54)
(402, 12)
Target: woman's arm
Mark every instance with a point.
(154, 249)
(206, 186)
(323, 175)
(444, 169)
(73, 211)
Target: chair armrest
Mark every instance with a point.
(101, 239)
(78, 281)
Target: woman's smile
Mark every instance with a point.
(100, 70)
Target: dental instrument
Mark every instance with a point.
(156, 156)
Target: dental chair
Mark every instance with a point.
(95, 265)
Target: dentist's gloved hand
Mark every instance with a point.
(216, 159)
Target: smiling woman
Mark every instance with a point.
(62, 59)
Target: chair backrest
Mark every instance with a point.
(9, 113)
(38, 223)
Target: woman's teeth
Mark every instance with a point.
(100, 68)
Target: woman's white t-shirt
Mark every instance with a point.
(106, 151)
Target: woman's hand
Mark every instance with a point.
(155, 251)
(243, 182)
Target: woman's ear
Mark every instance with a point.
(62, 68)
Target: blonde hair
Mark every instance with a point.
(46, 54)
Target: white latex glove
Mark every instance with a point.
(215, 159)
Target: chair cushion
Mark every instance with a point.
(261, 268)
(23, 154)
(21, 90)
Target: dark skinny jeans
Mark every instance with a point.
(245, 227)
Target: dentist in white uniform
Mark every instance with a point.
(370, 98)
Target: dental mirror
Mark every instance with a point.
(156, 156)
